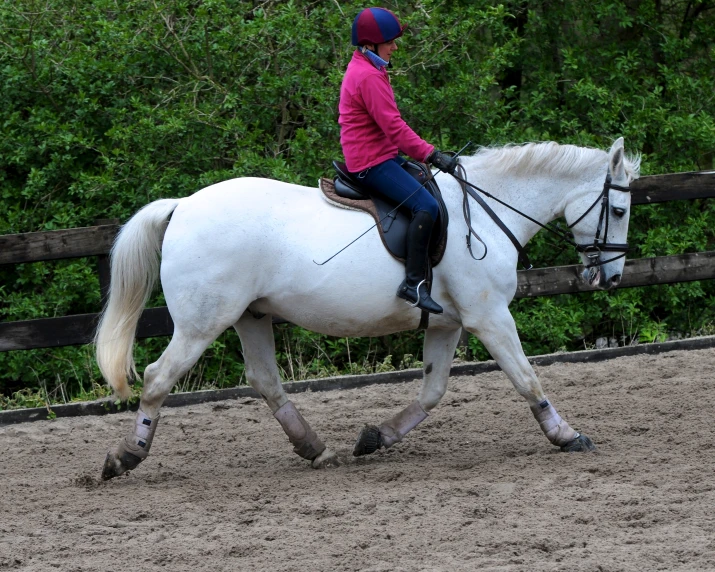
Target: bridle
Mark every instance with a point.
(592, 250)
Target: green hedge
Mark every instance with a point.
(107, 106)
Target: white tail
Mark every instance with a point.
(135, 268)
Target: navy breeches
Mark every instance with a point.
(392, 181)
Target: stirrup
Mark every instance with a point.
(417, 289)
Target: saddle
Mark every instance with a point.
(346, 191)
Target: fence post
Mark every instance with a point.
(103, 268)
(463, 343)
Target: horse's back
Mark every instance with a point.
(250, 194)
(255, 208)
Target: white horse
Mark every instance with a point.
(241, 251)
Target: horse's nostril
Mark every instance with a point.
(616, 280)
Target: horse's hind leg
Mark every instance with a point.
(262, 373)
(181, 354)
(439, 349)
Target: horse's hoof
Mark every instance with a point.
(326, 460)
(116, 465)
(368, 441)
(580, 444)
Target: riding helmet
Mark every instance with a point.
(376, 26)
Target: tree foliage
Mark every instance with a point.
(106, 106)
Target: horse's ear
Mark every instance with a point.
(616, 163)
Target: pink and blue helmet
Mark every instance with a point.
(376, 26)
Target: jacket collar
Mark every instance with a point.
(374, 59)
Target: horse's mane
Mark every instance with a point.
(544, 158)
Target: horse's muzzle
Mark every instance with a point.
(595, 277)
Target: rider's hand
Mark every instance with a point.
(443, 161)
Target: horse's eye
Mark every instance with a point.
(619, 211)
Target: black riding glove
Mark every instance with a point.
(443, 161)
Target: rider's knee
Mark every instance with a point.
(428, 205)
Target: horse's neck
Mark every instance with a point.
(540, 197)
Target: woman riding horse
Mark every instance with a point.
(373, 132)
(218, 270)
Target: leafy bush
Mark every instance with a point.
(106, 107)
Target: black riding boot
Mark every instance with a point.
(413, 288)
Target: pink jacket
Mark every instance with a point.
(372, 130)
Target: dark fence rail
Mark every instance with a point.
(673, 187)
(97, 241)
(79, 329)
(57, 244)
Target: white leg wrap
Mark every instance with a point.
(133, 449)
(395, 429)
(304, 440)
(144, 428)
(556, 429)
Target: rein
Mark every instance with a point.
(591, 250)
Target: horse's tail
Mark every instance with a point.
(135, 268)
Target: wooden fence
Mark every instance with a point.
(97, 241)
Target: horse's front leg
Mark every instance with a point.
(498, 333)
(259, 355)
(438, 352)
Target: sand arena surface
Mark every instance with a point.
(475, 487)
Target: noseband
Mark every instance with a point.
(592, 250)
